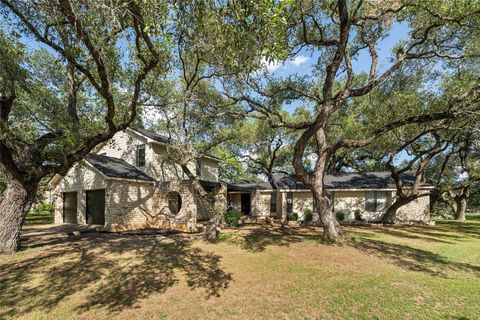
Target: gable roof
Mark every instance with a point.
(166, 140)
(154, 136)
(116, 168)
(348, 180)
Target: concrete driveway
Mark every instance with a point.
(33, 235)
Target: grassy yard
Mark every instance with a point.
(255, 272)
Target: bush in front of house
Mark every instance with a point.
(232, 217)
(358, 215)
(293, 216)
(40, 213)
(443, 214)
(340, 215)
(307, 217)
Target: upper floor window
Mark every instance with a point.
(273, 202)
(289, 202)
(140, 155)
(198, 168)
(375, 201)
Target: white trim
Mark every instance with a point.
(329, 189)
(132, 180)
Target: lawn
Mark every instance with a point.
(252, 273)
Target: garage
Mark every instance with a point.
(70, 207)
(95, 209)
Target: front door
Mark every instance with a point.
(96, 207)
(245, 203)
(70, 207)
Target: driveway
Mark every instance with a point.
(34, 235)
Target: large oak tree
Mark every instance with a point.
(338, 31)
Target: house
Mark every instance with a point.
(128, 183)
(367, 193)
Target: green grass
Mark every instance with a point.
(40, 214)
(254, 272)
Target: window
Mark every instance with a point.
(273, 202)
(198, 168)
(174, 202)
(289, 202)
(230, 200)
(140, 156)
(376, 201)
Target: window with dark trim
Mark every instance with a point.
(140, 155)
(273, 202)
(230, 200)
(174, 202)
(198, 168)
(375, 201)
(289, 202)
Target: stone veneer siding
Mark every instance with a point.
(134, 205)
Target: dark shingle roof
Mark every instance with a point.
(154, 136)
(360, 180)
(116, 168)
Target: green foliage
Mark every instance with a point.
(293, 216)
(41, 213)
(358, 215)
(232, 217)
(307, 216)
(340, 215)
(443, 214)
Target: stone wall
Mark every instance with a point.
(417, 210)
(133, 205)
(80, 178)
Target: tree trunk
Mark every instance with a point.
(461, 208)
(390, 216)
(211, 230)
(17, 201)
(331, 227)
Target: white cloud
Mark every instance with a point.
(299, 60)
(271, 66)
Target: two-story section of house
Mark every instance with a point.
(130, 183)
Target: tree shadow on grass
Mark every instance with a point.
(411, 258)
(257, 238)
(111, 271)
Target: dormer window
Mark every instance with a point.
(140, 155)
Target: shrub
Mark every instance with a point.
(444, 214)
(40, 213)
(232, 217)
(340, 215)
(358, 215)
(292, 216)
(307, 216)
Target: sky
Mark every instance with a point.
(304, 62)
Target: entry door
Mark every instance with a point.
(70, 207)
(245, 203)
(96, 207)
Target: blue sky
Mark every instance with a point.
(303, 63)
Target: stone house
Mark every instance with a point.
(367, 193)
(127, 183)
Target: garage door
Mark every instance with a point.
(96, 207)
(70, 207)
